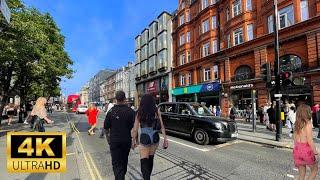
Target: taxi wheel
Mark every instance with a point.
(201, 137)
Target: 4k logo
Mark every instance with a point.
(36, 152)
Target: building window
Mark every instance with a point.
(290, 62)
(213, 1)
(215, 46)
(238, 36)
(248, 5)
(227, 14)
(243, 72)
(207, 74)
(188, 16)
(189, 78)
(182, 59)
(286, 17)
(205, 26)
(182, 39)
(214, 22)
(304, 10)
(236, 7)
(162, 41)
(228, 41)
(206, 49)
(181, 20)
(162, 57)
(183, 5)
(182, 80)
(188, 37)
(270, 24)
(205, 4)
(188, 56)
(250, 32)
(216, 72)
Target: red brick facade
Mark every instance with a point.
(301, 39)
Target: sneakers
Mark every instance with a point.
(25, 122)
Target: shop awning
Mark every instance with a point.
(208, 87)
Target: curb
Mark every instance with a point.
(268, 144)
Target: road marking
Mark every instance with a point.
(69, 154)
(186, 145)
(295, 169)
(94, 166)
(290, 176)
(82, 149)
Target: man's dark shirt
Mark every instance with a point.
(120, 121)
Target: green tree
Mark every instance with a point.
(32, 57)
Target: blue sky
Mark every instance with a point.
(100, 33)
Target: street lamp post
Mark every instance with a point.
(277, 69)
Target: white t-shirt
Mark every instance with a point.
(110, 105)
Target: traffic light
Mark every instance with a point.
(266, 72)
(286, 78)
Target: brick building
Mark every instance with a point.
(219, 47)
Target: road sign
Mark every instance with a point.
(5, 10)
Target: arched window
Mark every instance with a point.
(243, 73)
(290, 62)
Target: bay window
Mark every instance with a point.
(236, 8)
(270, 24)
(181, 20)
(206, 49)
(205, 26)
(207, 74)
(188, 37)
(215, 46)
(248, 5)
(214, 22)
(286, 17)
(238, 36)
(182, 39)
(304, 10)
(250, 32)
(204, 4)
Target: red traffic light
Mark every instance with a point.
(286, 78)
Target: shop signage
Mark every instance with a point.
(210, 87)
(152, 86)
(242, 86)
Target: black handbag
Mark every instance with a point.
(38, 124)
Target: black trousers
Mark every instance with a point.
(119, 155)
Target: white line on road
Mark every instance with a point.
(199, 149)
(94, 166)
(295, 169)
(69, 154)
(290, 176)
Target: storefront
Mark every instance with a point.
(158, 88)
(208, 93)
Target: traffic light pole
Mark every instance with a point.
(277, 70)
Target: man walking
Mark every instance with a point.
(119, 121)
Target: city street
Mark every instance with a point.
(88, 157)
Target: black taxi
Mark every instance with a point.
(196, 121)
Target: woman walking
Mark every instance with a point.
(92, 114)
(149, 119)
(10, 112)
(304, 152)
(39, 110)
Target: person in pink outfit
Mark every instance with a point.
(304, 151)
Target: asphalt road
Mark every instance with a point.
(88, 157)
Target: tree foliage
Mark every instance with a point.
(32, 54)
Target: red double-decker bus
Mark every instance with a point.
(73, 102)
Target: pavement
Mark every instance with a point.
(88, 157)
(264, 136)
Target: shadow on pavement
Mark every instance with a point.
(184, 169)
(38, 176)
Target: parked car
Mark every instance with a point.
(196, 121)
(82, 109)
